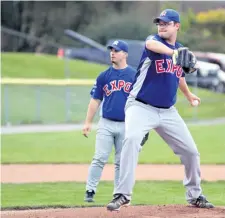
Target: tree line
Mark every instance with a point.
(102, 21)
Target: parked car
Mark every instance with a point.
(214, 58)
(87, 54)
(208, 76)
(98, 53)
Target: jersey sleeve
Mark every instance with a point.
(152, 55)
(152, 37)
(97, 89)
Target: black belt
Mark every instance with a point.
(151, 105)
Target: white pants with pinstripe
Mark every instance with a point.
(142, 118)
(109, 134)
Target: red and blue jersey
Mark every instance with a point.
(157, 78)
(113, 87)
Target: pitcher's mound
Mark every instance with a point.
(167, 211)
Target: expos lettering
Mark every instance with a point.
(167, 66)
(117, 85)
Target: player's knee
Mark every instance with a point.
(98, 162)
(192, 152)
(133, 140)
(100, 159)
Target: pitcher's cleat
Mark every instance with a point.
(202, 202)
(118, 202)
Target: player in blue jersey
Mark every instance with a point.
(150, 105)
(111, 91)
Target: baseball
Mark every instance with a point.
(195, 103)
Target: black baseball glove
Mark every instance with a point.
(186, 59)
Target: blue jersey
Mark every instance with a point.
(157, 79)
(113, 87)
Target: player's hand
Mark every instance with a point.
(86, 129)
(193, 98)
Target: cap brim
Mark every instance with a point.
(157, 19)
(115, 47)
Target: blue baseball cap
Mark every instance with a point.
(167, 16)
(119, 45)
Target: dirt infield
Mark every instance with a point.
(68, 172)
(168, 211)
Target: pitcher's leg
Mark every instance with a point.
(139, 120)
(119, 137)
(104, 144)
(175, 132)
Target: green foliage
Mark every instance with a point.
(201, 37)
(208, 31)
(127, 26)
(212, 16)
(103, 20)
(202, 41)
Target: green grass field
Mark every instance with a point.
(56, 104)
(72, 147)
(29, 65)
(72, 194)
(44, 104)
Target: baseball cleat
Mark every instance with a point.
(89, 196)
(202, 202)
(118, 202)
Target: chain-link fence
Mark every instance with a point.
(26, 104)
(23, 104)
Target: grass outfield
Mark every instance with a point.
(54, 104)
(51, 107)
(57, 104)
(29, 65)
(72, 194)
(72, 147)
